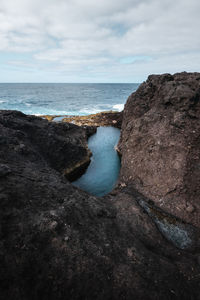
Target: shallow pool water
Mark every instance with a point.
(58, 119)
(103, 171)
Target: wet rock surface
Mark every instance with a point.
(58, 242)
(160, 143)
(106, 118)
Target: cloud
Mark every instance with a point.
(101, 41)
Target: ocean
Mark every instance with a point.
(64, 98)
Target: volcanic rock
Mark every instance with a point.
(160, 143)
(4, 170)
(105, 118)
(62, 146)
(58, 242)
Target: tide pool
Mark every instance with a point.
(103, 171)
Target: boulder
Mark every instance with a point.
(160, 143)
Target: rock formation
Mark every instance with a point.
(160, 143)
(58, 242)
(63, 146)
(106, 118)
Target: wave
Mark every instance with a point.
(53, 113)
(2, 101)
(27, 108)
(38, 111)
(118, 107)
(89, 111)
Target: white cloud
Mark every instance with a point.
(95, 38)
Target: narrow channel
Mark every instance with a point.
(102, 173)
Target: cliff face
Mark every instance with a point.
(160, 143)
(58, 242)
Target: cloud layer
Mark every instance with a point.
(104, 41)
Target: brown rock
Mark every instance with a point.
(190, 208)
(160, 142)
(105, 118)
(58, 242)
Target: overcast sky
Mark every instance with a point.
(97, 41)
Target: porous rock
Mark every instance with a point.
(58, 242)
(4, 170)
(105, 118)
(160, 143)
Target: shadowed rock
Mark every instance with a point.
(62, 146)
(58, 242)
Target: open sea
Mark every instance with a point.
(64, 98)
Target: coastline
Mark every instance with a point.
(141, 241)
(104, 118)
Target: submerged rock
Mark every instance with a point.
(160, 143)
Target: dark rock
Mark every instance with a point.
(160, 143)
(58, 242)
(4, 170)
(90, 130)
(63, 146)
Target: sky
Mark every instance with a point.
(97, 41)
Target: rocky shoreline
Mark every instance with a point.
(141, 241)
(105, 118)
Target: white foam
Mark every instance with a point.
(82, 112)
(118, 107)
(52, 112)
(89, 111)
(3, 101)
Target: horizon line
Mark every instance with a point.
(71, 82)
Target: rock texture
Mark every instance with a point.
(106, 118)
(62, 146)
(58, 242)
(160, 143)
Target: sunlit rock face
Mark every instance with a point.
(160, 143)
(105, 118)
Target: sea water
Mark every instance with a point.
(102, 173)
(77, 99)
(64, 98)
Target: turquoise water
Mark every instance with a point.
(103, 171)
